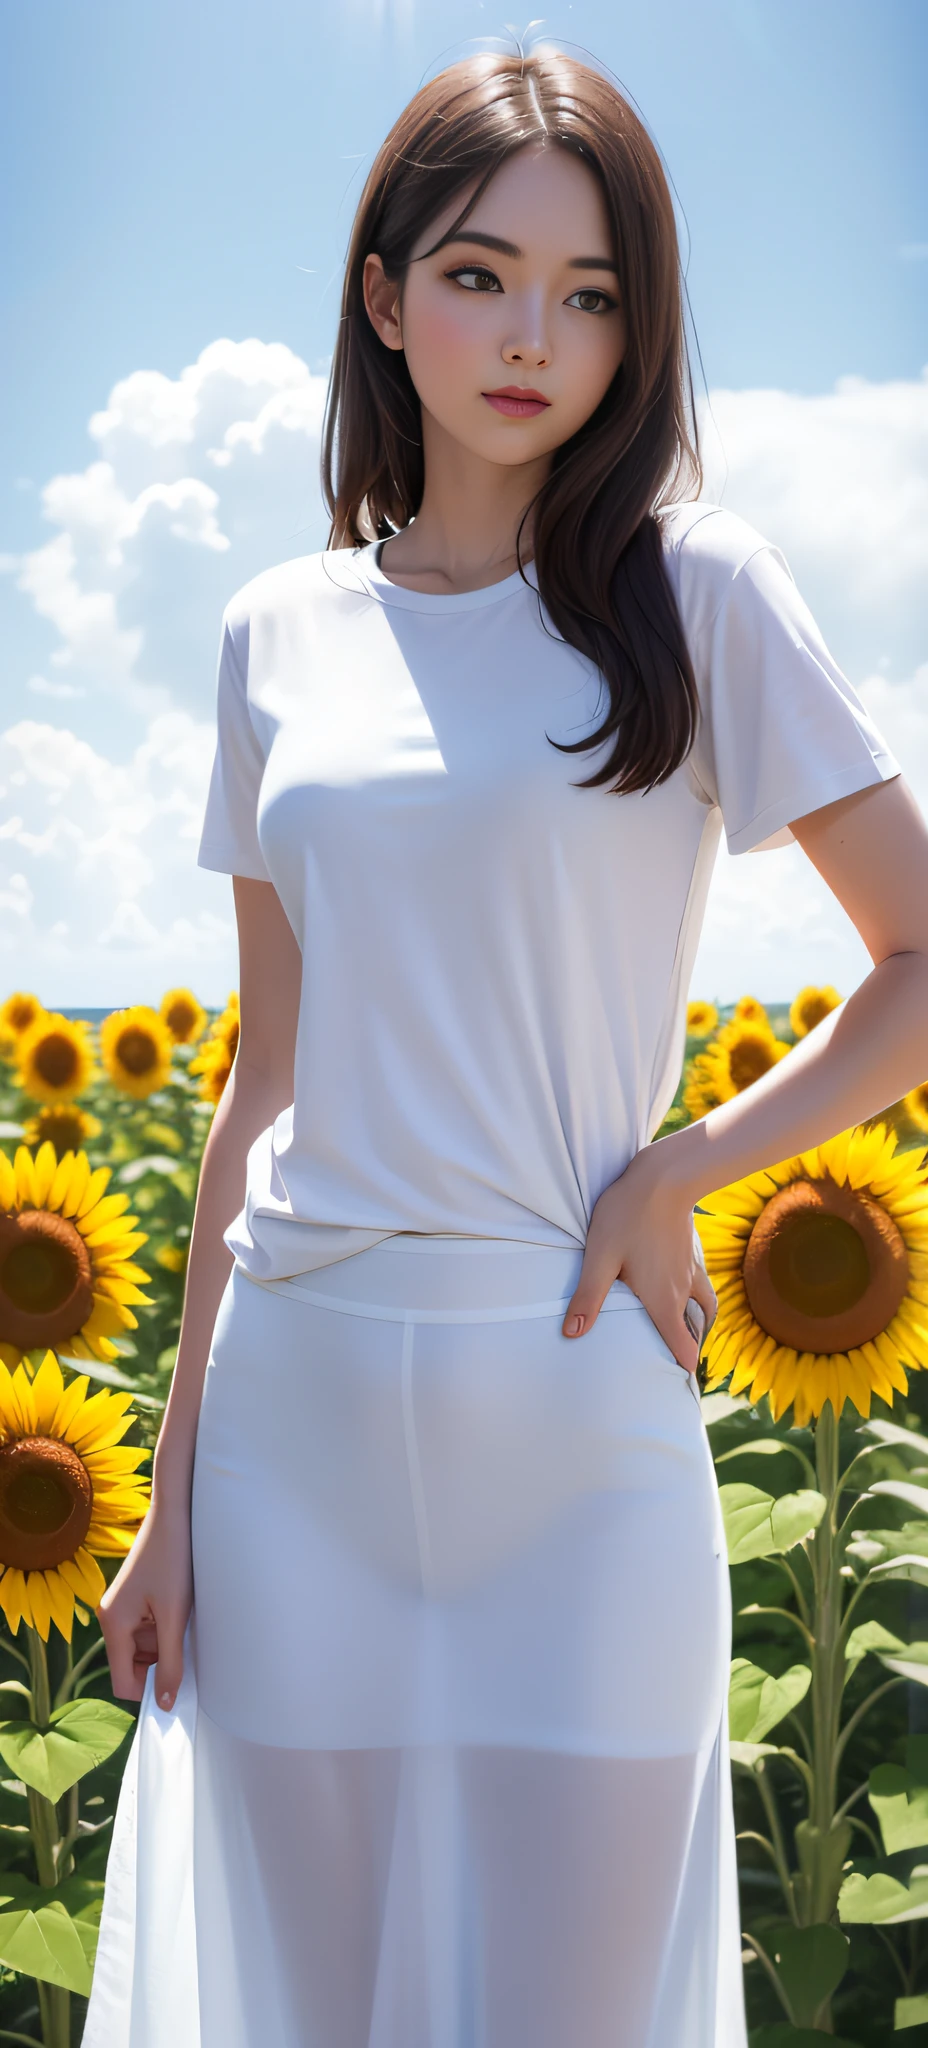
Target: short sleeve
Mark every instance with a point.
(783, 730)
(229, 837)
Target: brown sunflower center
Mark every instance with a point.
(46, 1501)
(749, 1058)
(137, 1050)
(64, 1127)
(825, 1268)
(180, 1017)
(814, 1011)
(56, 1059)
(46, 1279)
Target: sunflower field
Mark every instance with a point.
(815, 1397)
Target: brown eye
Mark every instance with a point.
(591, 300)
(475, 279)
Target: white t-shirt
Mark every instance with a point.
(495, 962)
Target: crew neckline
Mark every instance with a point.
(379, 585)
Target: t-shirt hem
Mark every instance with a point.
(219, 861)
(881, 767)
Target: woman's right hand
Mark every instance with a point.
(145, 1611)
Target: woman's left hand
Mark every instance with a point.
(642, 1232)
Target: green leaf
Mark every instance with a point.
(16, 1686)
(901, 1807)
(902, 1489)
(907, 1566)
(82, 1734)
(810, 1963)
(761, 1446)
(785, 2036)
(881, 1900)
(910, 2012)
(756, 1525)
(718, 1407)
(756, 1702)
(870, 1636)
(747, 1753)
(43, 1941)
(892, 1433)
(910, 1663)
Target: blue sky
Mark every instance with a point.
(185, 175)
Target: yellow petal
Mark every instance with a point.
(46, 1166)
(7, 1183)
(105, 1211)
(12, 1597)
(25, 1176)
(21, 1408)
(47, 1388)
(82, 1573)
(61, 1603)
(98, 1181)
(61, 1182)
(77, 1185)
(37, 1607)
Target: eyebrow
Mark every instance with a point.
(509, 249)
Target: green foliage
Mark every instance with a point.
(79, 1735)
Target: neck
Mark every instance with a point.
(466, 530)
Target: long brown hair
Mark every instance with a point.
(597, 547)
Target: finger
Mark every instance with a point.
(597, 1274)
(126, 1681)
(170, 1666)
(146, 1648)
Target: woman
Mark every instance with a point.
(442, 1761)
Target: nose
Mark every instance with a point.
(529, 345)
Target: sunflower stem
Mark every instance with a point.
(55, 2014)
(823, 1839)
(38, 1672)
(54, 2002)
(75, 1672)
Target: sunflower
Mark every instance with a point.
(915, 1105)
(70, 1492)
(215, 1059)
(183, 1015)
(54, 1056)
(16, 1014)
(700, 1092)
(65, 1125)
(749, 1011)
(820, 1265)
(136, 1047)
(66, 1271)
(701, 1019)
(173, 1257)
(810, 1006)
(739, 1055)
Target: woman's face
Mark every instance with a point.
(524, 300)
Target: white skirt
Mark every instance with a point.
(449, 1765)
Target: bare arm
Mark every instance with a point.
(144, 1612)
(872, 850)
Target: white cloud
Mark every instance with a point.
(199, 481)
(97, 860)
(840, 482)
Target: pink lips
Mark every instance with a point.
(516, 403)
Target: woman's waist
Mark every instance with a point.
(442, 1277)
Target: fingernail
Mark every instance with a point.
(165, 1699)
(573, 1326)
